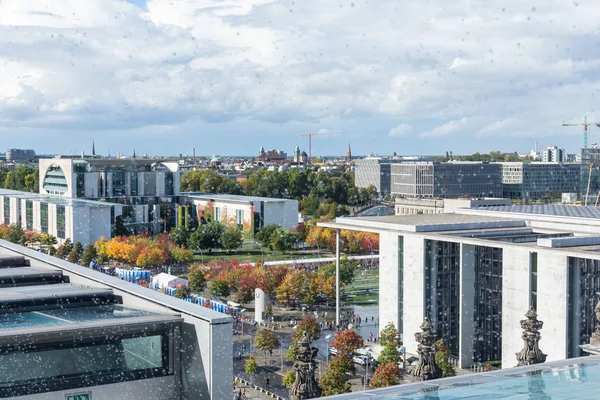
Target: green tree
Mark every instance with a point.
(386, 375)
(219, 288)
(231, 238)
(208, 181)
(73, 257)
(389, 335)
(283, 240)
(389, 354)
(31, 182)
(266, 340)
(78, 249)
(197, 278)
(348, 270)
(88, 255)
(289, 378)
(16, 234)
(182, 292)
(263, 236)
(308, 325)
(180, 235)
(442, 359)
(251, 367)
(207, 237)
(334, 379)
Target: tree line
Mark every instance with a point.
(22, 177)
(320, 193)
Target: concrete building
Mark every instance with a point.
(539, 180)
(589, 179)
(147, 190)
(475, 272)
(248, 212)
(374, 171)
(69, 332)
(439, 206)
(446, 180)
(19, 155)
(553, 154)
(79, 220)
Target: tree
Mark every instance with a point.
(266, 340)
(389, 335)
(264, 235)
(219, 288)
(289, 378)
(88, 255)
(283, 240)
(334, 379)
(207, 237)
(442, 359)
(197, 278)
(389, 354)
(231, 238)
(182, 292)
(73, 257)
(347, 341)
(180, 235)
(307, 325)
(16, 234)
(251, 367)
(78, 249)
(386, 375)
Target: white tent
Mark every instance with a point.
(163, 280)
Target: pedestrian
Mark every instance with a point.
(271, 352)
(268, 383)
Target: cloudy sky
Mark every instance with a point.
(227, 76)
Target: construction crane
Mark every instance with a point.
(585, 125)
(310, 135)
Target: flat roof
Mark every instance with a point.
(423, 222)
(54, 199)
(561, 210)
(574, 379)
(233, 197)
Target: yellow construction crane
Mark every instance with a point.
(310, 135)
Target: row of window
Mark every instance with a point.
(60, 216)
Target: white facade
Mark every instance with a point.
(553, 154)
(163, 280)
(476, 273)
(78, 220)
(240, 210)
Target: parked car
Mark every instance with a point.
(360, 360)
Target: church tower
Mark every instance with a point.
(349, 156)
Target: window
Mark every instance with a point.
(44, 217)
(83, 362)
(60, 222)
(239, 217)
(28, 214)
(6, 210)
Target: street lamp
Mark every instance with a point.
(328, 337)
(367, 368)
(281, 354)
(261, 251)
(242, 319)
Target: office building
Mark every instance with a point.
(250, 213)
(146, 190)
(589, 179)
(70, 332)
(79, 220)
(411, 206)
(20, 155)
(446, 180)
(476, 272)
(539, 180)
(553, 154)
(374, 171)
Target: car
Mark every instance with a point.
(360, 360)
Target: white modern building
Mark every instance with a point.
(411, 206)
(553, 154)
(79, 220)
(68, 332)
(476, 272)
(248, 212)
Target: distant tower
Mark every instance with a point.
(349, 157)
(133, 156)
(261, 151)
(93, 149)
(297, 155)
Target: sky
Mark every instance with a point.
(228, 76)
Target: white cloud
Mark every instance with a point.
(401, 130)
(489, 69)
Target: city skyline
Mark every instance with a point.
(230, 76)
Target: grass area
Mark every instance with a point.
(356, 292)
